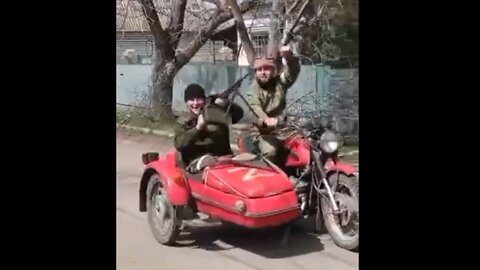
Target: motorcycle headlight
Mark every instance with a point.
(329, 142)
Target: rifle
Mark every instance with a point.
(225, 94)
(232, 90)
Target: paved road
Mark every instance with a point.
(207, 248)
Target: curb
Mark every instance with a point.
(148, 130)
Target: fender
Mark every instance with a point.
(340, 166)
(178, 191)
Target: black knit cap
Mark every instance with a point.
(194, 91)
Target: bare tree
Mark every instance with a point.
(169, 59)
(281, 12)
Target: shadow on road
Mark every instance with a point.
(263, 242)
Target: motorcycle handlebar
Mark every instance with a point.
(284, 126)
(282, 122)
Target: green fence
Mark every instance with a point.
(312, 92)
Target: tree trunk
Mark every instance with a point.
(276, 26)
(162, 90)
(167, 60)
(242, 31)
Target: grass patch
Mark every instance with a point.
(349, 154)
(142, 118)
(349, 148)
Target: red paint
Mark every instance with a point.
(178, 191)
(340, 166)
(249, 222)
(259, 212)
(267, 194)
(247, 182)
(255, 206)
(297, 144)
(300, 149)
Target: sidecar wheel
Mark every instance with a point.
(162, 215)
(343, 227)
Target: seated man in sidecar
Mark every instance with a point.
(199, 136)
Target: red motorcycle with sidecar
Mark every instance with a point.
(250, 191)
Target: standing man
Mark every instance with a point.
(268, 99)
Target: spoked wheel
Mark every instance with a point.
(161, 213)
(343, 224)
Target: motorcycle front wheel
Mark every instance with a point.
(342, 225)
(162, 216)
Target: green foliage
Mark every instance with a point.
(140, 117)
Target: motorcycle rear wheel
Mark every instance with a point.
(346, 196)
(162, 215)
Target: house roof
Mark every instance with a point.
(130, 17)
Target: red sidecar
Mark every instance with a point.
(248, 192)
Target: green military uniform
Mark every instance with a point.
(214, 139)
(271, 102)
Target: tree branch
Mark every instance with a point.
(204, 34)
(287, 35)
(274, 31)
(293, 7)
(160, 36)
(305, 23)
(242, 31)
(297, 29)
(177, 17)
(215, 2)
(320, 12)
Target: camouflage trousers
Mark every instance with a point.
(271, 147)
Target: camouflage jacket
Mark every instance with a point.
(214, 139)
(271, 101)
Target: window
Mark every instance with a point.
(260, 42)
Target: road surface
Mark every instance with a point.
(207, 248)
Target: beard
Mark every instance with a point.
(267, 83)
